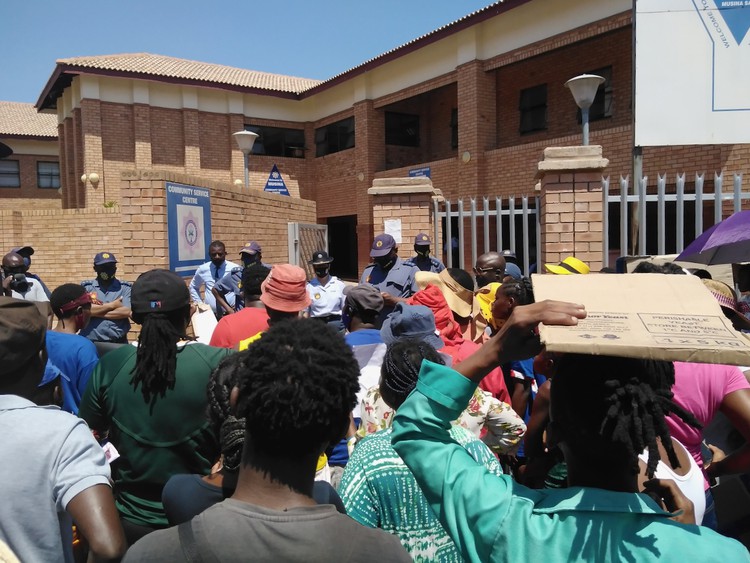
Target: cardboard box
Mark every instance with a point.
(657, 316)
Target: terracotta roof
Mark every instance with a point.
(171, 67)
(22, 120)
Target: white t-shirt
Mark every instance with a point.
(34, 293)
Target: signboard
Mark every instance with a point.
(654, 316)
(275, 183)
(417, 172)
(692, 84)
(188, 226)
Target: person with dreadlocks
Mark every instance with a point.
(73, 354)
(378, 489)
(296, 387)
(604, 412)
(152, 400)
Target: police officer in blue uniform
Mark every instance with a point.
(423, 260)
(326, 292)
(228, 290)
(110, 303)
(394, 278)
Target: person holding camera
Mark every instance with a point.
(15, 282)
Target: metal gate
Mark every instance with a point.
(500, 229)
(304, 239)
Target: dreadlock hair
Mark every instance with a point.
(400, 369)
(520, 290)
(298, 386)
(613, 408)
(252, 277)
(156, 358)
(63, 295)
(462, 277)
(228, 429)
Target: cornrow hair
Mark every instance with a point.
(400, 369)
(298, 386)
(521, 290)
(619, 403)
(229, 430)
(156, 358)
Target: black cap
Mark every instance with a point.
(320, 257)
(23, 250)
(159, 291)
(104, 258)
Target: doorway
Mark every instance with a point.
(342, 245)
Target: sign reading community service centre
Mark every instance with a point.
(692, 72)
(188, 226)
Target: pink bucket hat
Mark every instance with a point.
(284, 289)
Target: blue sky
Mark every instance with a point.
(311, 39)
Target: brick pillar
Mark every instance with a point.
(571, 204)
(92, 156)
(407, 199)
(369, 154)
(142, 129)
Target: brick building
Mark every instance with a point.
(475, 101)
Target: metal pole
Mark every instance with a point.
(585, 121)
(247, 175)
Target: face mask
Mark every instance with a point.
(248, 259)
(106, 274)
(422, 251)
(385, 262)
(322, 272)
(27, 261)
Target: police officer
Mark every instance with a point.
(110, 302)
(227, 291)
(394, 278)
(326, 292)
(423, 260)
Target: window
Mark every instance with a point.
(48, 174)
(533, 108)
(602, 106)
(335, 137)
(278, 141)
(401, 129)
(454, 128)
(10, 174)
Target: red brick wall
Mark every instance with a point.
(167, 137)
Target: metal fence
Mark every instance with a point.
(502, 223)
(644, 211)
(304, 239)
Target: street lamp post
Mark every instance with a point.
(584, 89)
(245, 141)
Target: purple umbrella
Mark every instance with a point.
(727, 242)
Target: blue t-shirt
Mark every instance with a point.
(76, 357)
(363, 336)
(524, 370)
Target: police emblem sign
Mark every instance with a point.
(275, 183)
(189, 226)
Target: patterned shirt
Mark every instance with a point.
(379, 491)
(496, 422)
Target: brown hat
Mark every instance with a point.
(22, 334)
(459, 299)
(364, 297)
(285, 289)
(728, 300)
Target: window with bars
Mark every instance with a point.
(335, 137)
(10, 174)
(533, 108)
(48, 175)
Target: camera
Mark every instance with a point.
(19, 283)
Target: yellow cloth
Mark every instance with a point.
(245, 344)
(486, 297)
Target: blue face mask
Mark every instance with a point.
(27, 261)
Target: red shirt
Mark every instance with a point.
(238, 326)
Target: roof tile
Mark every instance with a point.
(20, 119)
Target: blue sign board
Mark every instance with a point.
(417, 172)
(275, 183)
(188, 227)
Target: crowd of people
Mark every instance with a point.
(414, 415)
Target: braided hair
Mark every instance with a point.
(298, 386)
(400, 369)
(616, 407)
(521, 290)
(229, 429)
(156, 358)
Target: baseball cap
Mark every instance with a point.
(364, 297)
(23, 250)
(251, 247)
(23, 330)
(285, 289)
(571, 265)
(422, 238)
(513, 271)
(382, 245)
(104, 258)
(320, 257)
(158, 291)
(411, 321)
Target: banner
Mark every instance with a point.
(188, 226)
